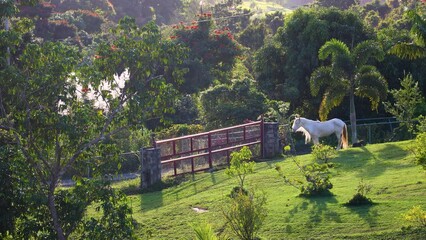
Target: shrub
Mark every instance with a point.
(316, 178)
(417, 216)
(419, 150)
(360, 198)
(323, 152)
(245, 214)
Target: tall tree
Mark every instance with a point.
(45, 104)
(212, 53)
(348, 74)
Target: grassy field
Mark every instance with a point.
(398, 185)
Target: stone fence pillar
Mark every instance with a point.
(150, 166)
(271, 140)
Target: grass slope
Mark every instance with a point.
(397, 183)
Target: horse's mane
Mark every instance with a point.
(305, 133)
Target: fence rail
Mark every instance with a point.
(202, 151)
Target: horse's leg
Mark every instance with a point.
(315, 139)
(339, 140)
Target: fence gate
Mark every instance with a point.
(198, 152)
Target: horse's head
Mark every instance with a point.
(296, 123)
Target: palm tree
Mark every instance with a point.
(348, 75)
(417, 48)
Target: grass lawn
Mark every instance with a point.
(397, 185)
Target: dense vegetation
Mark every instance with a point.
(82, 82)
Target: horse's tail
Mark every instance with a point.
(345, 137)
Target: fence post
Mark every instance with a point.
(262, 137)
(271, 146)
(150, 166)
(210, 150)
(142, 167)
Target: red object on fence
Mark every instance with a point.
(202, 149)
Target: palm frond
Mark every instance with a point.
(369, 77)
(371, 94)
(319, 79)
(418, 30)
(334, 48)
(367, 50)
(408, 51)
(332, 98)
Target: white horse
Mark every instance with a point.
(313, 130)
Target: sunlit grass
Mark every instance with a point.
(261, 7)
(398, 185)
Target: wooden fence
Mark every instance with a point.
(199, 152)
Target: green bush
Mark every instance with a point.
(360, 198)
(316, 178)
(323, 153)
(419, 149)
(245, 214)
(416, 216)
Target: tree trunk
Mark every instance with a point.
(353, 116)
(54, 213)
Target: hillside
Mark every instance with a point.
(397, 186)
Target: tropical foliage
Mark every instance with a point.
(348, 75)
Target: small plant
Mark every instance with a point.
(245, 214)
(241, 165)
(323, 153)
(204, 231)
(416, 216)
(317, 178)
(360, 198)
(419, 150)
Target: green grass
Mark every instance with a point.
(398, 185)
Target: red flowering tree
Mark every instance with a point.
(212, 52)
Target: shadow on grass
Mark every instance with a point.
(316, 209)
(369, 164)
(366, 212)
(392, 152)
(179, 187)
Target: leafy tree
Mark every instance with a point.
(348, 75)
(417, 48)
(284, 66)
(241, 165)
(54, 124)
(407, 100)
(212, 53)
(227, 105)
(253, 36)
